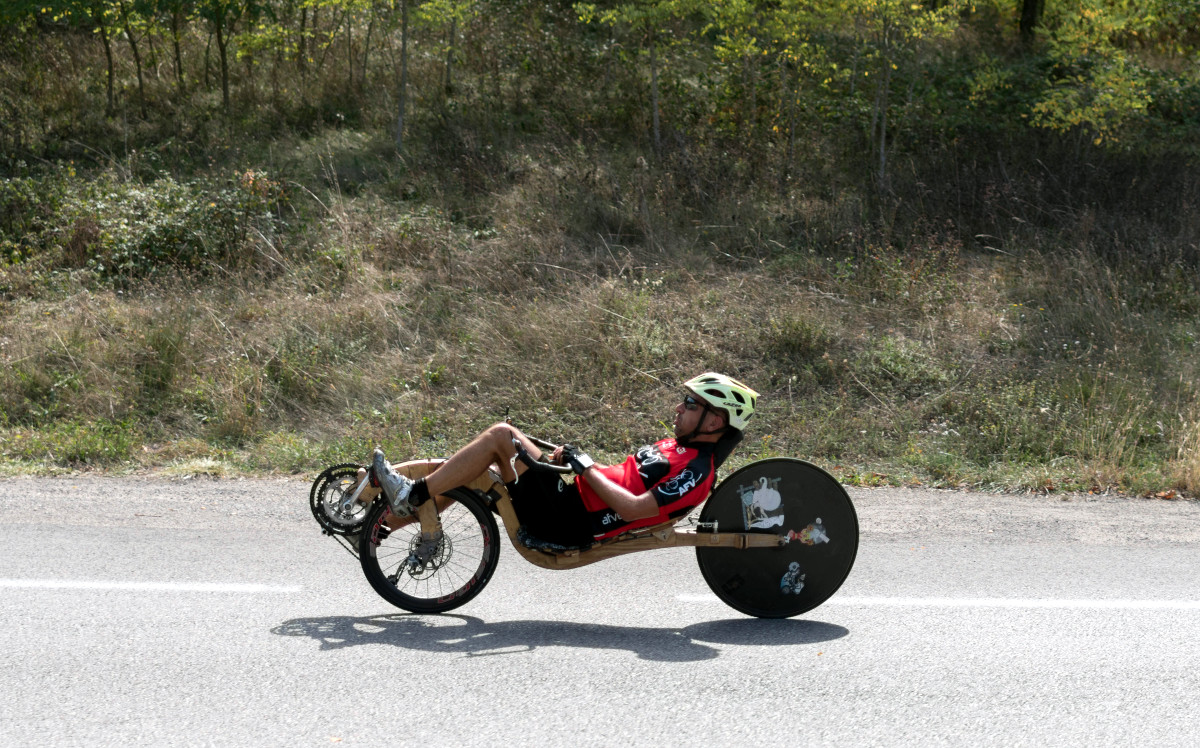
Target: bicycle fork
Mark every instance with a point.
(360, 494)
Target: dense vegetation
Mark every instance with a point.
(950, 243)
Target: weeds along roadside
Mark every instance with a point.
(414, 323)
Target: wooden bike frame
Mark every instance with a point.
(665, 535)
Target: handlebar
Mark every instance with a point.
(545, 467)
(542, 443)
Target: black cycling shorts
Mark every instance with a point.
(550, 509)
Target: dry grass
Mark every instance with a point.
(1187, 462)
(404, 324)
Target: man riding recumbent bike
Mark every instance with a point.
(774, 539)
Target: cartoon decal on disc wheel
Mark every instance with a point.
(811, 535)
(799, 501)
(793, 581)
(761, 504)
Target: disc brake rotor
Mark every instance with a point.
(423, 562)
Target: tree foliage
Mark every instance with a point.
(758, 76)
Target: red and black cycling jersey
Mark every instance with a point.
(679, 478)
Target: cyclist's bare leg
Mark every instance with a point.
(490, 449)
(395, 522)
(493, 447)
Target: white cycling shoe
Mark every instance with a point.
(396, 487)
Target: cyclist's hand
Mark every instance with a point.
(556, 456)
(579, 461)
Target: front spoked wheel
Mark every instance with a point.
(431, 579)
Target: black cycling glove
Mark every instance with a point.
(579, 461)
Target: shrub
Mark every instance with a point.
(28, 208)
(100, 443)
(799, 347)
(899, 367)
(28, 392)
(125, 230)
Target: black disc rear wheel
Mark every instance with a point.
(455, 572)
(787, 497)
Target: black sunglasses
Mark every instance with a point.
(691, 403)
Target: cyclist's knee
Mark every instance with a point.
(501, 429)
(501, 434)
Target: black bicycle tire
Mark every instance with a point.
(707, 557)
(479, 577)
(314, 498)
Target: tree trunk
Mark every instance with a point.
(221, 53)
(750, 81)
(248, 87)
(882, 97)
(304, 49)
(497, 81)
(153, 54)
(1031, 17)
(362, 76)
(207, 50)
(654, 98)
(175, 14)
(882, 102)
(302, 42)
(276, 67)
(137, 57)
(349, 54)
(330, 45)
(448, 86)
(403, 93)
(108, 57)
(793, 95)
(854, 65)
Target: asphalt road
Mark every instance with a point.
(214, 613)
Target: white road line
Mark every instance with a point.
(77, 584)
(987, 602)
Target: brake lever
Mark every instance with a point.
(522, 453)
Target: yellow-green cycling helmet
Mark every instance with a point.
(725, 393)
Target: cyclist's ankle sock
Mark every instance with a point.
(419, 493)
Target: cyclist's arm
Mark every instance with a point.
(625, 503)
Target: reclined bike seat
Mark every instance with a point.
(537, 544)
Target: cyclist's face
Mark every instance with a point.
(688, 414)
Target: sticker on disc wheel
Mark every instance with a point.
(799, 501)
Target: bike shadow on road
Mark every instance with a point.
(458, 634)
